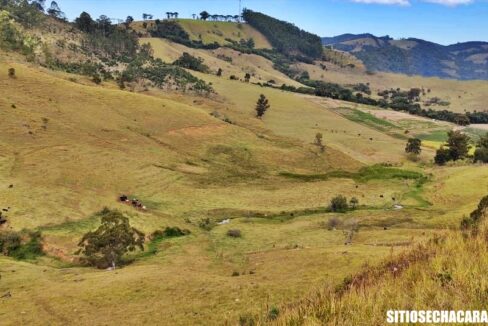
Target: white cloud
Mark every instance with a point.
(385, 2)
(450, 2)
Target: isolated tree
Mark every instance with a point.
(414, 146)
(318, 141)
(204, 15)
(262, 106)
(11, 72)
(458, 145)
(339, 204)
(247, 77)
(115, 237)
(219, 72)
(129, 20)
(85, 23)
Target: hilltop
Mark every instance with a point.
(415, 56)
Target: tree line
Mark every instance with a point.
(285, 37)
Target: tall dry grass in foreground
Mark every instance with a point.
(446, 273)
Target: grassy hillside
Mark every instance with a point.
(445, 273)
(70, 145)
(461, 95)
(74, 148)
(212, 31)
(230, 61)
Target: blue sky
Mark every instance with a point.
(442, 21)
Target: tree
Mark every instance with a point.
(413, 146)
(262, 106)
(481, 153)
(219, 72)
(11, 72)
(354, 202)
(104, 24)
(204, 15)
(38, 4)
(115, 237)
(190, 62)
(247, 77)
(129, 20)
(85, 23)
(458, 145)
(318, 141)
(55, 11)
(250, 43)
(339, 204)
(442, 156)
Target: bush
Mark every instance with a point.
(339, 204)
(206, 224)
(273, 313)
(233, 233)
(25, 245)
(11, 72)
(333, 223)
(442, 156)
(96, 79)
(169, 232)
(190, 62)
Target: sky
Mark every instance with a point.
(440, 21)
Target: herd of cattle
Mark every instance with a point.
(134, 202)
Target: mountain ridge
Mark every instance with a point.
(414, 56)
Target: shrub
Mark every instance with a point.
(354, 202)
(333, 223)
(96, 79)
(206, 224)
(26, 245)
(11, 72)
(339, 204)
(234, 233)
(273, 313)
(190, 62)
(442, 156)
(169, 232)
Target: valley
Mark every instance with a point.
(191, 149)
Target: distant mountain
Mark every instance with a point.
(413, 56)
